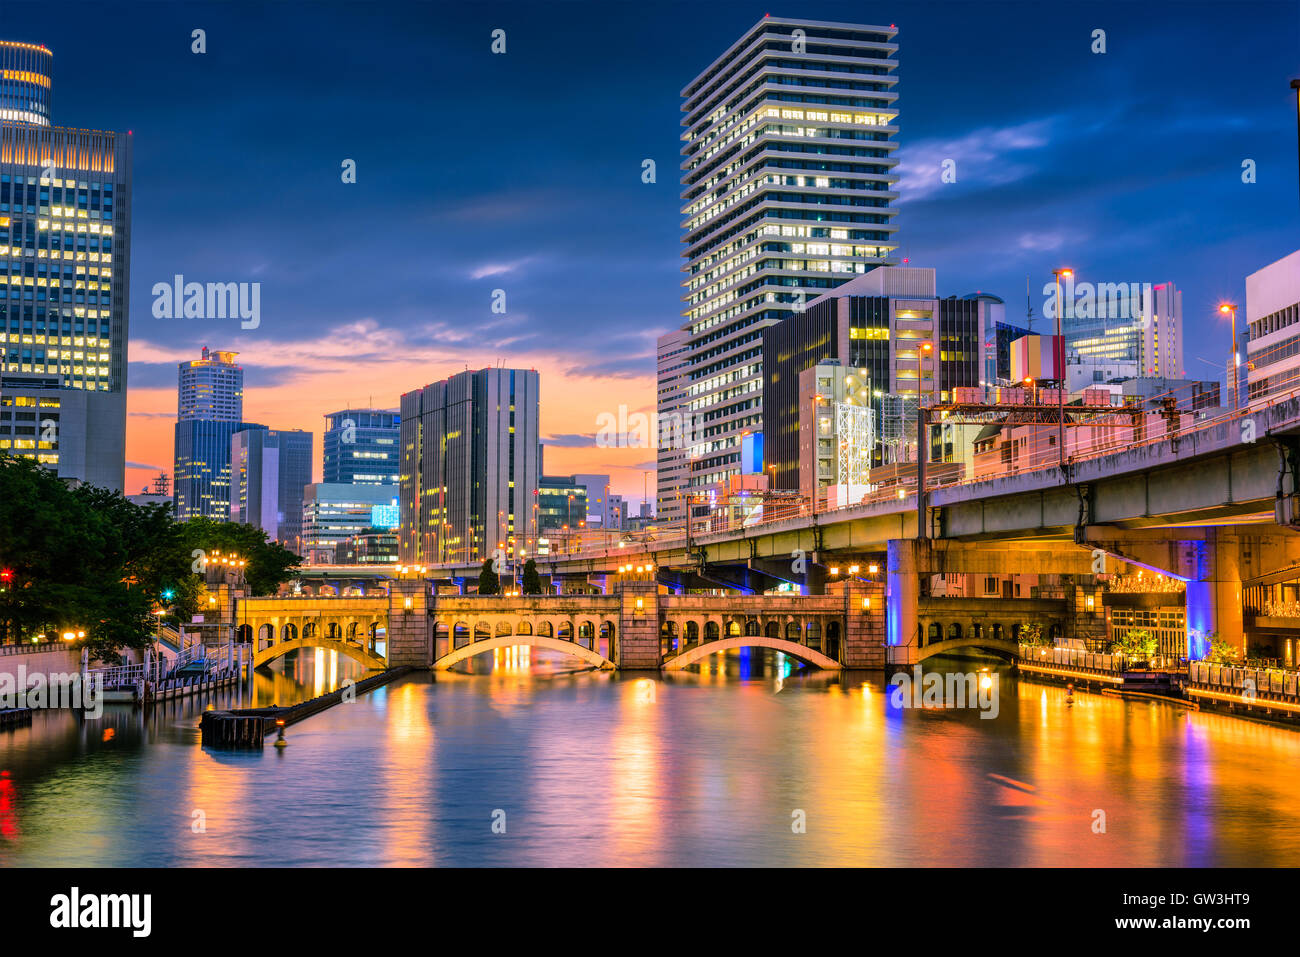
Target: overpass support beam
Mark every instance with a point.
(1214, 599)
(906, 560)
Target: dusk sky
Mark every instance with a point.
(522, 172)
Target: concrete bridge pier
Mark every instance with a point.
(636, 646)
(409, 626)
(905, 561)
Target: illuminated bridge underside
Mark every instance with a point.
(354, 651)
(593, 658)
(698, 653)
(999, 647)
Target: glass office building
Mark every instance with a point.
(64, 274)
(209, 411)
(788, 185)
(360, 446)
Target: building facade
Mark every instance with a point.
(334, 512)
(65, 241)
(471, 459)
(361, 447)
(1273, 326)
(1138, 326)
(673, 432)
(900, 345)
(268, 470)
(788, 190)
(209, 411)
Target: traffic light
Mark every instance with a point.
(6, 575)
(168, 594)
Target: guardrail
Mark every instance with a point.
(1070, 658)
(1245, 682)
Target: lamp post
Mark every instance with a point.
(1058, 355)
(1230, 309)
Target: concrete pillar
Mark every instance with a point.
(637, 642)
(905, 562)
(1214, 600)
(863, 635)
(409, 623)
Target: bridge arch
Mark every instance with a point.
(456, 656)
(697, 653)
(355, 652)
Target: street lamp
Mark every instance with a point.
(1230, 308)
(1058, 354)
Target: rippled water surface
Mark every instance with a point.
(716, 768)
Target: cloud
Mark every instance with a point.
(499, 269)
(145, 465)
(986, 157)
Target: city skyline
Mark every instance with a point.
(1047, 176)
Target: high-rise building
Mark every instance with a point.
(471, 458)
(672, 433)
(65, 242)
(1272, 351)
(1138, 325)
(787, 184)
(209, 411)
(360, 447)
(333, 512)
(899, 344)
(268, 470)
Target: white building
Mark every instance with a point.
(1273, 322)
(787, 190)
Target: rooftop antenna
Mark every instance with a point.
(1029, 307)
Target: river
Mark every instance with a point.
(522, 761)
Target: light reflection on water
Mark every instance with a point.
(703, 768)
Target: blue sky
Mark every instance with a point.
(522, 171)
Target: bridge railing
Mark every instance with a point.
(1232, 679)
(1070, 658)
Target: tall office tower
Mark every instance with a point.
(269, 468)
(65, 242)
(471, 459)
(673, 439)
(787, 182)
(209, 411)
(1135, 328)
(361, 447)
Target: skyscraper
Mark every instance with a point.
(65, 240)
(788, 184)
(1132, 329)
(471, 459)
(269, 469)
(671, 449)
(209, 411)
(360, 447)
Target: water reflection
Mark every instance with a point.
(709, 768)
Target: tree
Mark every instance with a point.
(488, 582)
(532, 581)
(1031, 633)
(1222, 651)
(269, 566)
(1139, 644)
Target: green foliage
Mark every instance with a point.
(532, 584)
(1135, 644)
(1222, 652)
(86, 559)
(488, 581)
(1031, 633)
